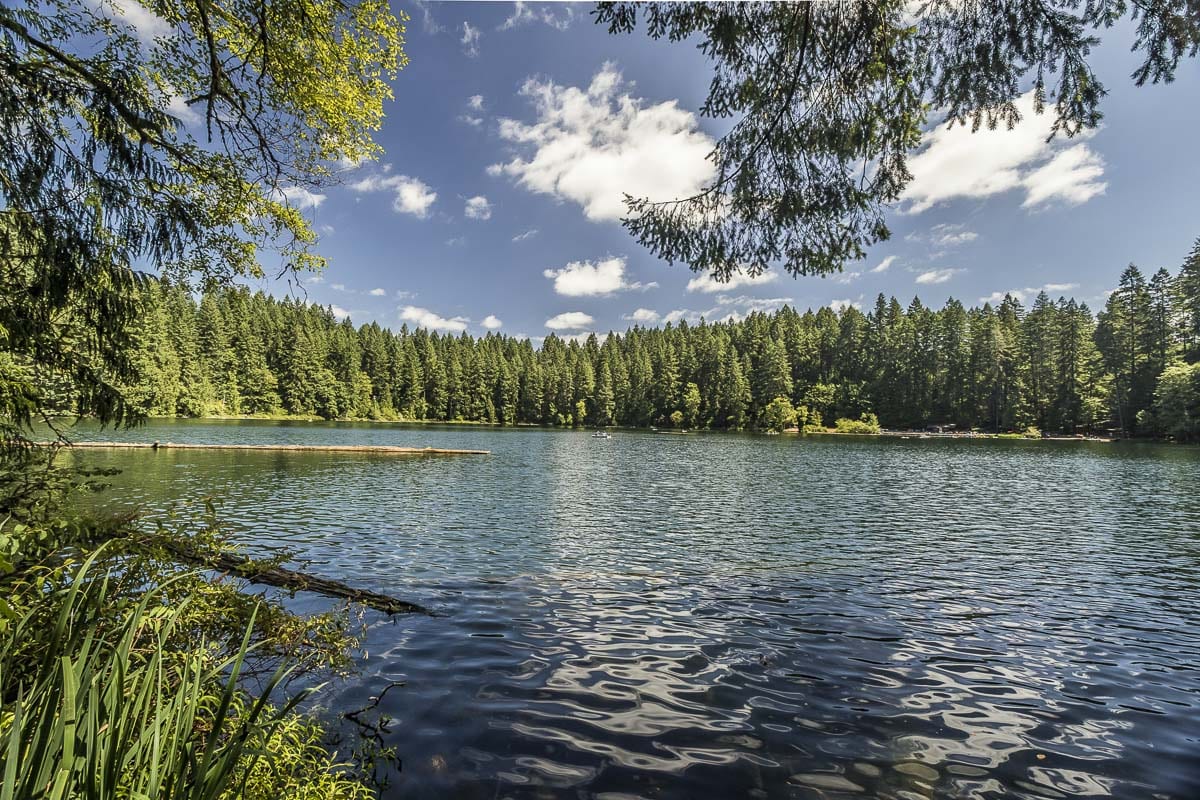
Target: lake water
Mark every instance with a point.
(720, 616)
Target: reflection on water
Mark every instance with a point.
(722, 616)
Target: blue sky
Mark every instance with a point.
(515, 128)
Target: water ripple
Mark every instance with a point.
(723, 616)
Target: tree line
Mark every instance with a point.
(1055, 366)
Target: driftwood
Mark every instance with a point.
(298, 448)
(283, 578)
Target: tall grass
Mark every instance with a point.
(107, 708)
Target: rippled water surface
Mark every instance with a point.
(737, 616)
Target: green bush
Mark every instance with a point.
(866, 424)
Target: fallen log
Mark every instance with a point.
(296, 448)
(283, 578)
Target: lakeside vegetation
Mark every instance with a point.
(1053, 366)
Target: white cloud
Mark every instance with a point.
(456, 241)
(688, 314)
(470, 40)
(405, 295)
(298, 197)
(593, 146)
(424, 318)
(491, 322)
(1073, 176)
(708, 284)
(883, 265)
(588, 279)
(478, 207)
(525, 13)
(583, 336)
(954, 162)
(646, 315)
(475, 104)
(378, 292)
(339, 312)
(344, 164)
(410, 195)
(147, 25)
(841, 305)
(1029, 292)
(177, 107)
(937, 275)
(748, 303)
(520, 237)
(430, 24)
(569, 321)
(338, 287)
(946, 236)
(847, 277)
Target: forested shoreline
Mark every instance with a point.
(1053, 366)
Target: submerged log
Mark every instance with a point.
(320, 448)
(283, 578)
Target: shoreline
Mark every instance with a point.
(887, 432)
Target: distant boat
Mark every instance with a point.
(601, 435)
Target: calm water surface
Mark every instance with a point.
(737, 616)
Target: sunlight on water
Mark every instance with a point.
(737, 616)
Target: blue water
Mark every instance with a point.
(742, 616)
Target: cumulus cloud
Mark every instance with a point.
(588, 279)
(478, 207)
(339, 312)
(883, 265)
(841, 305)
(708, 284)
(646, 315)
(424, 318)
(954, 163)
(470, 40)
(592, 146)
(569, 321)
(1073, 176)
(937, 275)
(491, 322)
(526, 13)
(1029, 292)
(475, 101)
(409, 195)
(520, 237)
(378, 292)
(298, 197)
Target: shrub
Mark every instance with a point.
(866, 424)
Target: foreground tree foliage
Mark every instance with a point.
(1052, 366)
(178, 144)
(179, 138)
(828, 99)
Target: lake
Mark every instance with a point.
(719, 615)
